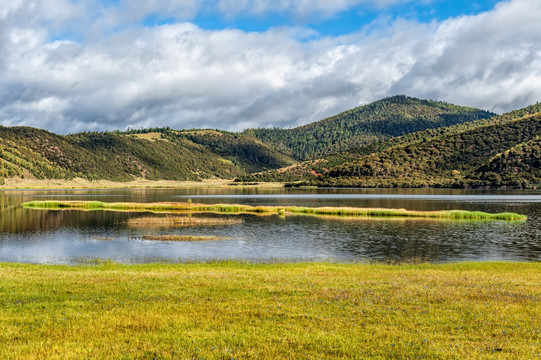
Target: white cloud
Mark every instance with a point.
(491, 60)
(183, 76)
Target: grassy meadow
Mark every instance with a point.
(229, 310)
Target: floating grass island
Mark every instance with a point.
(177, 222)
(270, 210)
(182, 238)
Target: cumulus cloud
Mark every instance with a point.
(182, 76)
(492, 60)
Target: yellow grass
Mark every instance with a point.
(184, 221)
(151, 136)
(79, 183)
(271, 311)
(279, 210)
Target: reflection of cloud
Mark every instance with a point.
(182, 76)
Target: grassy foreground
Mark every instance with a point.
(265, 210)
(268, 311)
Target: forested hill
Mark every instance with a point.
(519, 167)
(363, 125)
(450, 160)
(151, 154)
(503, 151)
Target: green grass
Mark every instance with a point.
(268, 311)
(280, 210)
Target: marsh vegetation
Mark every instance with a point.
(279, 210)
(180, 221)
(182, 238)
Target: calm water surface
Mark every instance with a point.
(39, 236)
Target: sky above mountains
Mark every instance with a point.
(71, 66)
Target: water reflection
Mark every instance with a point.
(68, 236)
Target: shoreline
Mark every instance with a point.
(91, 263)
(84, 184)
(79, 183)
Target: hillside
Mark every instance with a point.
(479, 154)
(495, 152)
(34, 153)
(519, 167)
(363, 125)
(245, 152)
(501, 151)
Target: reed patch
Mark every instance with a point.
(189, 207)
(182, 238)
(181, 221)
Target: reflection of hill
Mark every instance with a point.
(20, 220)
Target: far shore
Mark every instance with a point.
(79, 183)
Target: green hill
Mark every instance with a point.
(363, 125)
(460, 156)
(498, 152)
(519, 167)
(501, 151)
(245, 152)
(168, 155)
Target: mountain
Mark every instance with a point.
(383, 119)
(502, 151)
(151, 154)
(499, 152)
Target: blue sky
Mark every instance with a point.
(75, 65)
(342, 22)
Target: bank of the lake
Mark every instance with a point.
(236, 310)
(79, 183)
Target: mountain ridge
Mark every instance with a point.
(30, 152)
(498, 152)
(380, 120)
(475, 151)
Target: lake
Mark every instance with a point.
(69, 237)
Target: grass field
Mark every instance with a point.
(267, 311)
(266, 210)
